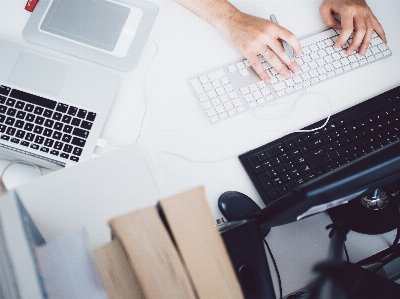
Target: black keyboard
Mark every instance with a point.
(43, 125)
(286, 163)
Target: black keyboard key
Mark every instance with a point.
(44, 149)
(291, 185)
(58, 126)
(66, 138)
(10, 121)
(30, 117)
(76, 122)
(283, 189)
(4, 90)
(267, 164)
(295, 152)
(20, 134)
(5, 137)
(77, 151)
(64, 155)
(28, 127)
(14, 140)
(300, 160)
(57, 116)
(91, 116)
(67, 148)
(81, 142)
(58, 145)
(54, 152)
(10, 102)
(25, 143)
(38, 129)
(48, 123)
(30, 136)
(62, 107)
(256, 164)
(273, 151)
(305, 168)
(66, 119)
(84, 134)
(273, 194)
(29, 108)
(265, 181)
(57, 135)
(20, 105)
(2, 118)
(34, 146)
(39, 139)
(290, 144)
(3, 109)
(298, 140)
(67, 129)
(11, 112)
(261, 156)
(48, 142)
(47, 132)
(81, 113)
(47, 113)
(39, 120)
(272, 172)
(3, 128)
(75, 159)
(19, 123)
(72, 110)
(2, 99)
(38, 110)
(86, 125)
(20, 114)
(11, 131)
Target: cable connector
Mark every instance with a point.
(101, 142)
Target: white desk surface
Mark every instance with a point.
(174, 122)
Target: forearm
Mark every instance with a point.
(215, 12)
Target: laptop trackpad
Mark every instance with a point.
(39, 72)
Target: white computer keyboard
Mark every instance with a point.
(237, 88)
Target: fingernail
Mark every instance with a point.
(287, 74)
(296, 68)
(338, 27)
(362, 51)
(300, 53)
(266, 80)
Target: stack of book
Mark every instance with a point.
(172, 250)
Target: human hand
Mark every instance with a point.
(355, 15)
(252, 36)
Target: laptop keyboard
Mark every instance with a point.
(42, 124)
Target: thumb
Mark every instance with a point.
(328, 18)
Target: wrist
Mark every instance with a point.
(224, 16)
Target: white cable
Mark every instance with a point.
(285, 116)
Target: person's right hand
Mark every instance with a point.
(252, 36)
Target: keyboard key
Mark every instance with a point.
(20, 114)
(273, 194)
(10, 121)
(75, 122)
(47, 113)
(48, 123)
(78, 141)
(67, 148)
(39, 120)
(77, 151)
(47, 132)
(66, 119)
(30, 136)
(29, 107)
(81, 113)
(58, 126)
(80, 133)
(62, 108)
(57, 116)
(91, 116)
(19, 123)
(48, 142)
(24, 143)
(54, 152)
(44, 149)
(30, 117)
(39, 139)
(11, 131)
(88, 125)
(3, 128)
(58, 145)
(5, 137)
(66, 138)
(10, 102)
(73, 158)
(38, 129)
(64, 155)
(11, 111)
(72, 110)
(276, 150)
(20, 134)
(34, 146)
(38, 110)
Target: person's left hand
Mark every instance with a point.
(355, 15)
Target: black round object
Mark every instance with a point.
(364, 220)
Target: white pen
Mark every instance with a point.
(285, 45)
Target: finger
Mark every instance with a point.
(256, 64)
(367, 38)
(328, 17)
(378, 29)
(347, 29)
(290, 38)
(360, 28)
(277, 64)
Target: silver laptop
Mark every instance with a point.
(52, 108)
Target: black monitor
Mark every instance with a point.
(375, 170)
